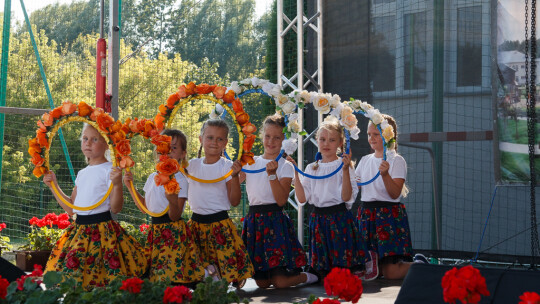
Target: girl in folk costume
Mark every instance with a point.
(383, 219)
(170, 248)
(334, 239)
(95, 249)
(222, 249)
(268, 233)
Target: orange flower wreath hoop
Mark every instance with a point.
(50, 123)
(219, 95)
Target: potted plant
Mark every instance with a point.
(4, 240)
(41, 240)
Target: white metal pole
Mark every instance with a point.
(320, 51)
(300, 86)
(279, 41)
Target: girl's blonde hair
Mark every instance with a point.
(107, 152)
(212, 123)
(393, 145)
(331, 123)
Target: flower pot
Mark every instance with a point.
(26, 259)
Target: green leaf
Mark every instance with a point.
(52, 278)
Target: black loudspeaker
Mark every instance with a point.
(423, 284)
(9, 271)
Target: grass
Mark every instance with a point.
(514, 131)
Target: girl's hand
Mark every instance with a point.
(128, 177)
(383, 168)
(236, 168)
(49, 178)
(289, 158)
(346, 158)
(271, 167)
(116, 176)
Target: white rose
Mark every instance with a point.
(255, 81)
(213, 115)
(349, 121)
(271, 89)
(288, 108)
(354, 133)
(377, 118)
(305, 96)
(337, 111)
(355, 104)
(281, 100)
(388, 133)
(294, 126)
(384, 124)
(235, 87)
(321, 104)
(289, 146)
(346, 111)
(334, 100)
(245, 81)
(365, 106)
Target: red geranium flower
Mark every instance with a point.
(132, 285)
(529, 298)
(2, 226)
(465, 284)
(176, 294)
(344, 285)
(326, 301)
(3, 287)
(144, 228)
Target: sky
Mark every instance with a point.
(31, 5)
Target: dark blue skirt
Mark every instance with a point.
(385, 230)
(271, 240)
(334, 239)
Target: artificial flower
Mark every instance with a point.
(57, 112)
(388, 133)
(168, 167)
(84, 109)
(126, 162)
(229, 96)
(247, 158)
(204, 88)
(191, 88)
(219, 91)
(68, 108)
(349, 121)
(172, 186)
(321, 104)
(242, 118)
(249, 128)
(288, 107)
(235, 87)
(289, 145)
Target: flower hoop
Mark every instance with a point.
(165, 177)
(68, 112)
(219, 95)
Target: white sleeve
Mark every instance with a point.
(286, 170)
(399, 168)
(182, 181)
(354, 193)
(306, 184)
(149, 181)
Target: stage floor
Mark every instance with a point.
(380, 291)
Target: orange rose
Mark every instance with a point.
(117, 126)
(41, 126)
(42, 139)
(242, 118)
(162, 109)
(191, 88)
(247, 158)
(37, 160)
(181, 93)
(84, 109)
(229, 96)
(159, 120)
(125, 127)
(153, 132)
(104, 121)
(161, 179)
(39, 171)
(160, 138)
(123, 147)
(171, 101)
(237, 105)
(96, 113)
(68, 108)
(219, 91)
(172, 187)
(249, 140)
(133, 125)
(249, 128)
(204, 88)
(168, 167)
(33, 146)
(56, 112)
(47, 119)
(163, 148)
(126, 162)
(149, 126)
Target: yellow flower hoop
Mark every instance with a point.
(192, 92)
(48, 127)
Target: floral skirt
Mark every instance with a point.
(385, 230)
(95, 254)
(271, 241)
(220, 245)
(334, 241)
(172, 253)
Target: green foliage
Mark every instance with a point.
(214, 293)
(42, 238)
(135, 232)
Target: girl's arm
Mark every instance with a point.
(298, 188)
(176, 206)
(346, 187)
(233, 185)
(50, 178)
(393, 185)
(128, 179)
(117, 193)
(280, 188)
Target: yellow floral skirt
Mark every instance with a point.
(220, 245)
(173, 254)
(95, 254)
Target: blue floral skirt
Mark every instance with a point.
(334, 240)
(271, 240)
(385, 230)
